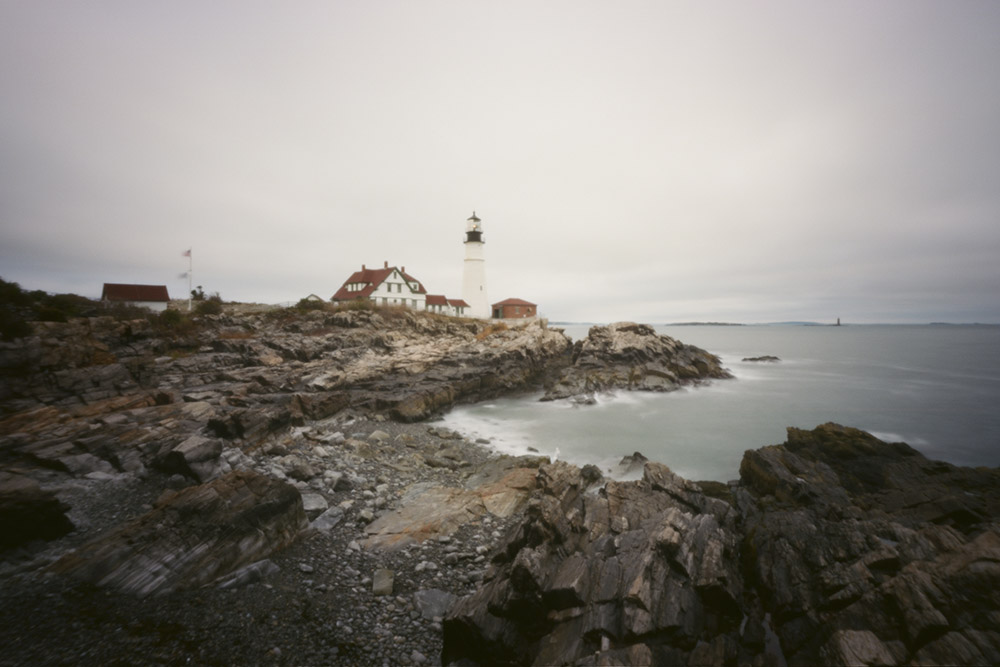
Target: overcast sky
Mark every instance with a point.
(744, 161)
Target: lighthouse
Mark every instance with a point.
(474, 275)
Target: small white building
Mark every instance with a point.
(438, 303)
(153, 297)
(388, 286)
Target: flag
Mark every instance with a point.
(187, 253)
(183, 275)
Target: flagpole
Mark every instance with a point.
(190, 277)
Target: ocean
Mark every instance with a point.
(935, 387)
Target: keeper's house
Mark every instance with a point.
(388, 286)
(153, 297)
(510, 309)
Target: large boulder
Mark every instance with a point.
(193, 537)
(631, 356)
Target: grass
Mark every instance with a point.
(492, 329)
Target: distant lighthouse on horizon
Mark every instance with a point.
(474, 274)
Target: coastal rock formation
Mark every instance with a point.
(632, 356)
(834, 548)
(103, 397)
(193, 536)
(619, 573)
(865, 551)
(240, 490)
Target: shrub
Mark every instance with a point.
(170, 318)
(49, 314)
(310, 304)
(12, 325)
(210, 306)
(70, 305)
(357, 304)
(123, 312)
(11, 294)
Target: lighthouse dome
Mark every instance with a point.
(473, 229)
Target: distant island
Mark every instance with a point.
(704, 324)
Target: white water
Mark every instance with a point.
(934, 387)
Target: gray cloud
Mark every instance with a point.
(660, 161)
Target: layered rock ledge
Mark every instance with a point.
(633, 357)
(833, 548)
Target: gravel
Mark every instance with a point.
(312, 603)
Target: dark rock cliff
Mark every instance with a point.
(834, 548)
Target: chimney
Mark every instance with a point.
(386, 264)
(363, 268)
(402, 269)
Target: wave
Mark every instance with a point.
(886, 436)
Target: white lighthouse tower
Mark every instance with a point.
(474, 275)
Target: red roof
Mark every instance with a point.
(371, 279)
(513, 302)
(442, 300)
(122, 292)
(437, 300)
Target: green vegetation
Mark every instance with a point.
(310, 304)
(19, 307)
(210, 306)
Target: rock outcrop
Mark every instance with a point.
(193, 537)
(633, 356)
(866, 552)
(104, 397)
(834, 548)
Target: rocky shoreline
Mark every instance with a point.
(312, 602)
(272, 489)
